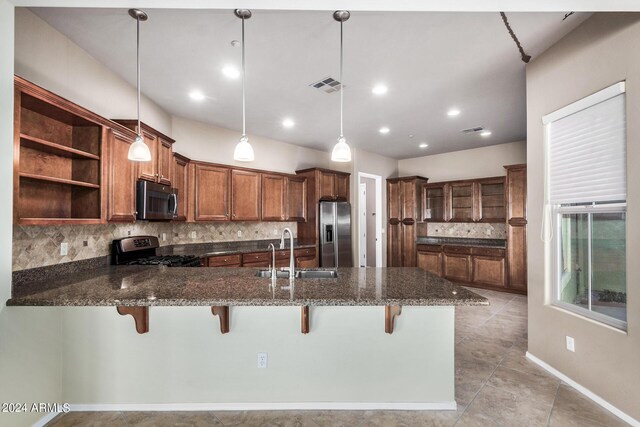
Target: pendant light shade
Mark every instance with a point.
(341, 151)
(138, 151)
(244, 150)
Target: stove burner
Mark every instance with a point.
(168, 260)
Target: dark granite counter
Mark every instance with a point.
(164, 286)
(462, 241)
(203, 250)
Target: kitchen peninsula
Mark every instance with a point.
(411, 366)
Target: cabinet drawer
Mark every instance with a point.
(465, 250)
(429, 248)
(224, 260)
(491, 252)
(305, 252)
(259, 264)
(256, 257)
(283, 254)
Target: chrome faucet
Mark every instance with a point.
(274, 273)
(292, 262)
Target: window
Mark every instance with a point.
(587, 191)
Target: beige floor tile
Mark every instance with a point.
(173, 419)
(88, 419)
(515, 359)
(265, 418)
(337, 418)
(411, 419)
(480, 348)
(572, 405)
(496, 407)
(527, 386)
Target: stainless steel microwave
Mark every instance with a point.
(156, 202)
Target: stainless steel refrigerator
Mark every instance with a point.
(335, 234)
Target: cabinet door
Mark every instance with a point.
(462, 202)
(517, 192)
(211, 193)
(457, 267)
(273, 197)
(148, 170)
(296, 199)
(305, 262)
(394, 244)
(180, 178)
(342, 187)
(245, 195)
(435, 202)
(517, 256)
(491, 200)
(165, 158)
(488, 271)
(408, 243)
(121, 203)
(393, 200)
(430, 261)
(327, 185)
(409, 200)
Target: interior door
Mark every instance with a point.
(362, 225)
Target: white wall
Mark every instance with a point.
(466, 164)
(30, 346)
(600, 52)
(47, 58)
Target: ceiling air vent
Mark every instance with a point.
(472, 130)
(327, 85)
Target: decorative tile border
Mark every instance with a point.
(467, 230)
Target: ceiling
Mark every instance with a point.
(430, 62)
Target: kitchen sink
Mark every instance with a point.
(300, 274)
(316, 274)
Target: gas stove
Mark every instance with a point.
(141, 250)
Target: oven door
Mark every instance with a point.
(155, 201)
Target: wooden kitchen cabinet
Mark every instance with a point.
(305, 258)
(296, 198)
(404, 211)
(245, 195)
(233, 260)
(435, 202)
(490, 194)
(516, 194)
(333, 185)
(457, 264)
(430, 258)
(462, 202)
(274, 202)
(159, 168)
(121, 202)
(212, 192)
(180, 178)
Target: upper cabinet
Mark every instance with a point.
(180, 178)
(160, 167)
(478, 200)
(245, 198)
(331, 185)
(58, 153)
(121, 203)
(273, 197)
(211, 192)
(296, 198)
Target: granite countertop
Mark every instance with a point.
(462, 241)
(203, 250)
(176, 286)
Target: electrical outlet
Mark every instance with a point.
(164, 237)
(262, 360)
(192, 234)
(64, 248)
(571, 344)
(128, 232)
(275, 231)
(239, 233)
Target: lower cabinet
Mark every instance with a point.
(234, 260)
(474, 266)
(304, 258)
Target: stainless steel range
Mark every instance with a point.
(141, 250)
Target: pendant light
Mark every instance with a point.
(138, 151)
(243, 151)
(341, 151)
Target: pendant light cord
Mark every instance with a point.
(243, 73)
(341, 83)
(138, 69)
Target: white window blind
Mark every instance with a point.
(587, 149)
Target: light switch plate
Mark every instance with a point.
(571, 344)
(64, 248)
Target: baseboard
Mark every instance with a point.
(268, 406)
(588, 393)
(44, 420)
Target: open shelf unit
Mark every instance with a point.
(57, 160)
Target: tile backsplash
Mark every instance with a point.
(38, 246)
(468, 230)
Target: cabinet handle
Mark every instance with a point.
(156, 174)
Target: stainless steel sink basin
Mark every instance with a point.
(266, 274)
(316, 274)
(300, 274)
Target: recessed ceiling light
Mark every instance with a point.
(235, 43)
(453, 112)
(379, 89)
(196, 95)
(288, 123)
(423, 145)
(410, 135)
(485, 133)
(231, 72)
(384, 130)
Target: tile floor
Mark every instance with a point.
(495, 386)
